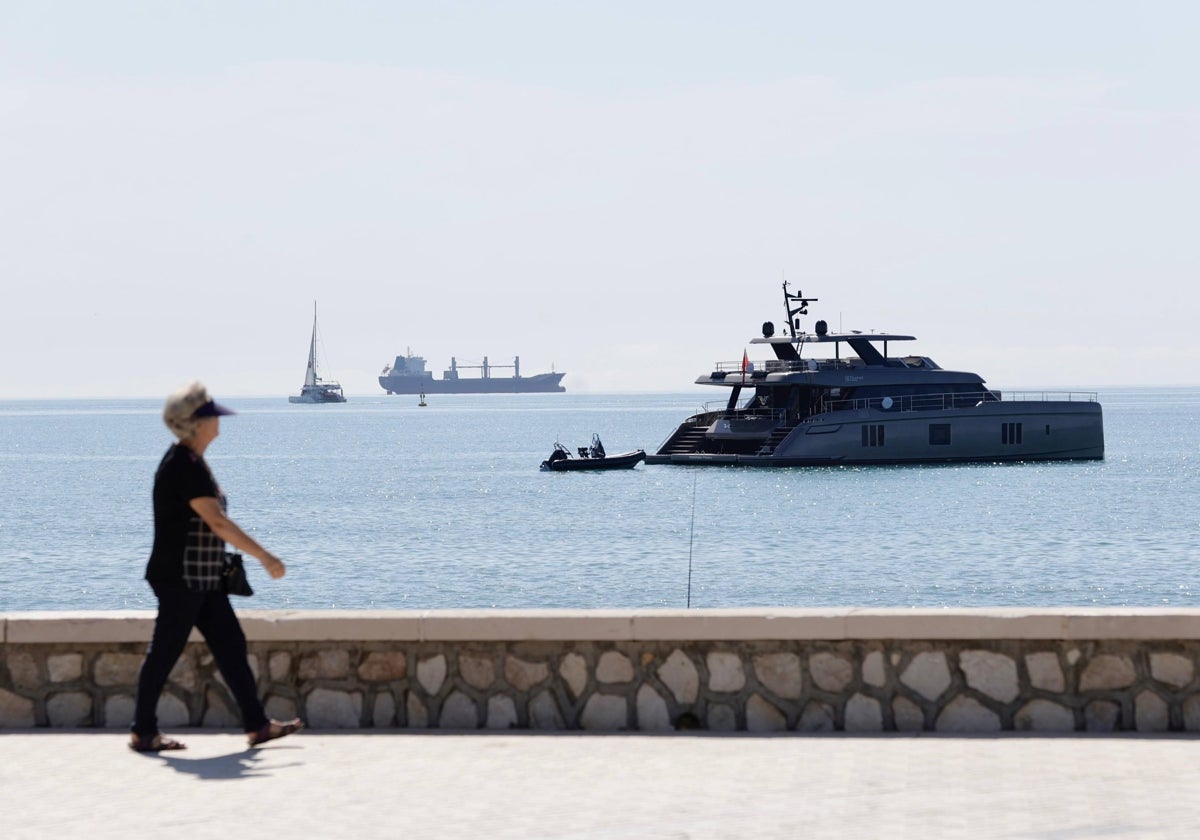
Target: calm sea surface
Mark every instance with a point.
(381, 504)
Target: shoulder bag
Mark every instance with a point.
(233, 581)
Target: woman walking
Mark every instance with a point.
(185, 571)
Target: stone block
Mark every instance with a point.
(863, 714)
(417, 712)
(679, 674)
(431, 673)
(907, 715)
(725, 671)
(1150, 713)
(117, 669)
(966, 714)
(184, 674)
(118, 711)
(384, 712)
(652, 713)
(383, 666)
(544, 712)
(990, 673)
(1042, 715)
(830, 672)
(779, 673)
(280, 708)
(15, 711)
(873, 669)
(605, 713)
(1172, 669)
(251, 663)
(1102, 716)
(614, 667)
(523, 675)
(329, 664)
(326, 708)
(1045, 671)
(172, 711)
(817, 717)
(763, 716)
(721, 718)
(574, 672)
(927, 674)
(477, 670)
(501, 712)
(1107, 671)
(64, 667)
(459, 712)
(69, 708)
(219, 713)
(23, 669)
(279, 666)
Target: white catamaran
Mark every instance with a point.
(316, 390)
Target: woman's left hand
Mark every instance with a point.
(274, 567)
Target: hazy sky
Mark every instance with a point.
(613, 188)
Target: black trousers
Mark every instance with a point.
(179, 610)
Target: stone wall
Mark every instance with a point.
(723, 670)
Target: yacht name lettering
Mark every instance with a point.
(854, 379)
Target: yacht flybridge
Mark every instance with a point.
(862, 406)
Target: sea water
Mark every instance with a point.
(381, 503)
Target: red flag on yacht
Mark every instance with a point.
(745, 364)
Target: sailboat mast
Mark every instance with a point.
(310, 375)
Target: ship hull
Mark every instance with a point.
(543, 383)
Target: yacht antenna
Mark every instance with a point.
(792, 311)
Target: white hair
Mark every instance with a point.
(180, 406)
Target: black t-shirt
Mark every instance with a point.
(178, 531)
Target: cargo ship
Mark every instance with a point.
(407, 375)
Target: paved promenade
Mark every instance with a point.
(58, 784)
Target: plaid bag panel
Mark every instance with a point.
(203, 557)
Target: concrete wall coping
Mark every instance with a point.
(748, 624)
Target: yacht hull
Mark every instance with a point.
(992, 432)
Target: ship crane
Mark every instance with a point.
(486, 367)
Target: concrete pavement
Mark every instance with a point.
(86, 783)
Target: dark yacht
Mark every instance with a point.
(862, 406)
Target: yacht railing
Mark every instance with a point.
(1052, 396)
(789, 366)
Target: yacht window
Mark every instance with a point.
(872, 434)
(1011, 433)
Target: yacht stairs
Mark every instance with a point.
(776, 438)
(685, 441)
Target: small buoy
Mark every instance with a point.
(422, 402)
